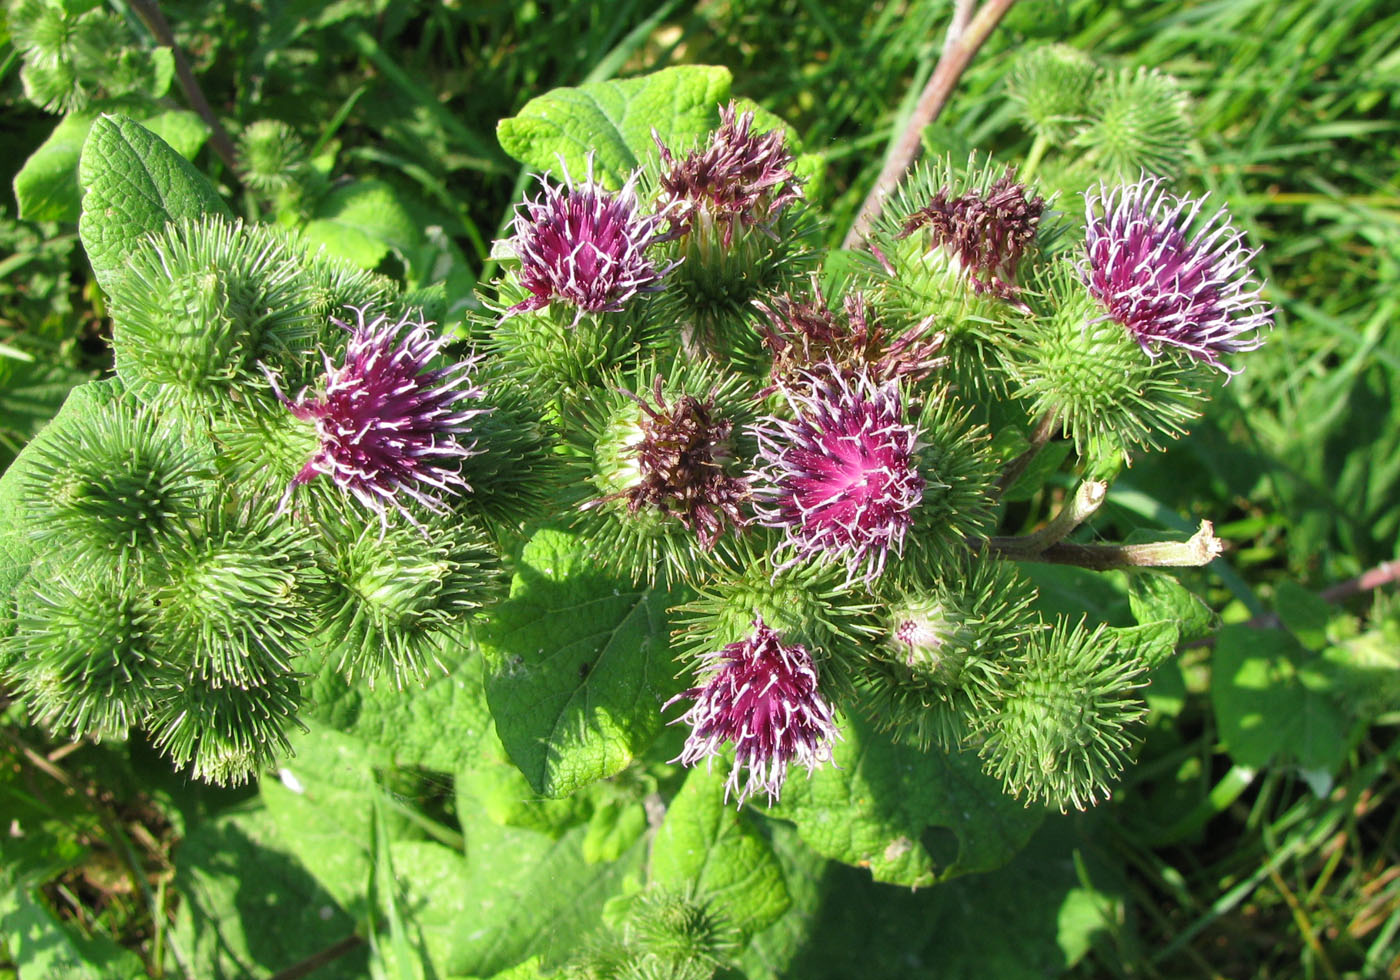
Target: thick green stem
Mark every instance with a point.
(1203, 548)
(1075, 512)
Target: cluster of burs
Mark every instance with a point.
(813, 450)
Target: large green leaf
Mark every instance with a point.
(1274, 703)
(361, 222)
(133, 183)
(1033, 918)
(438, 722)
(515, 894)
(249, 907)
(880, 805)
(321, 809)
(579, 667)
(614, 121)
(46, 187)
(707, 845)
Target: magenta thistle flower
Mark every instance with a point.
(1167, 285)
(761, 695)
(987, 232)
(584, 246)
(840, 477)
(390, 427)
(739, 177)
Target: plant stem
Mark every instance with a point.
(1033, 158)
(1203, 548)
(1040, 435)
(958, 50)
(318, 960)
(1079, 509)
(158, 26)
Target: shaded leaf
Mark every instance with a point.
(912, 818)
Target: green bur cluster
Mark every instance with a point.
(175, 574)
(176, 580)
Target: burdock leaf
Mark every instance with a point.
(709, 845)
(133, 184)
(578, 666)
(1274, 701)
(248, 907)
(882, 806)
(614, 120)
(517, 892)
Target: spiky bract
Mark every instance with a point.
(955, 459)
(1051, 86)
(273, 159)
(945, 650)
(1139, 120)
(392, 427)
(682, 928)
(115, 488)
(82, 655)
(1104, 390)
(1171, 278)
(226, 733)
(711, 292)
(237, 602)
(1062, 733)
(809, 604)
(584, 247)
(762, 695)
(201, 305)
(663, 479)
(396, 596)
(839, 477)
(955, 244)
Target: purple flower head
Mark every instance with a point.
(390, 426)
(761, 695)
(1168, 285)
(739, 177)
(839, 477)
(986, 232)
(584, 246)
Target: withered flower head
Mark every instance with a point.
(738, 178)
(805, 336)
(986, 233)
(680, 460)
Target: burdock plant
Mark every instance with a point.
(676, 476)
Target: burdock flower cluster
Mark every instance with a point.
(808, 459)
